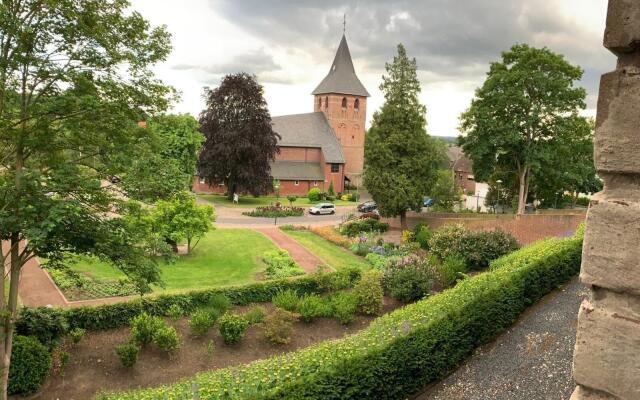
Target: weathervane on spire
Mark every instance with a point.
(344, 23)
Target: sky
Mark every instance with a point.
(289, 45)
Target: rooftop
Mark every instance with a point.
(342, 78)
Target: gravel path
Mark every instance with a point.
(531, 361)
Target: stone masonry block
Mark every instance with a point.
(611, 250)
(617, 141)
(608, 333)
(582, 393)
(623, 31)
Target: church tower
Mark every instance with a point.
(343, 99)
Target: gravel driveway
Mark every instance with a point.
(530, 361)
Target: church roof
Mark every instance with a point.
(297, 170)
(309, 130)
(342, 78)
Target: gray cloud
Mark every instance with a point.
(257, 62)
(450, 39)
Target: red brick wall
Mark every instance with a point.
(526, 229)
(463, 182)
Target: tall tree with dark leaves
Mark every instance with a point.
(526, 109)
(401, 160)
(75, 78)
(240, 141)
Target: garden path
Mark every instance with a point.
(307, 261)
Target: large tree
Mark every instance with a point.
(521, 114)
(240, 141)
(74, 80)
(401, 160)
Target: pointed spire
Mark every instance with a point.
(342, 78)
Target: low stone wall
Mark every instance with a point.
(526, 228)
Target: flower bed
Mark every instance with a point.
(280, 265)
(275, 211)
(78, 287)
(401, 352)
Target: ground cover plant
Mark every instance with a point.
(401, 352)
(280, 265)
(275, 211)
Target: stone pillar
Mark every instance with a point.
(606, 361)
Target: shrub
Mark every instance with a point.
(447, 241)
(275, 211)
(219, 302)
(368, 293)
(292, 199)
(407, 236)
(286, 299)
(402, 352)
(355, 227)
(167, 339)
(232, 327)
(331, 234)
(143, 327)
(30, 365)
(45, 324)
(333, 281)
(77, 334)
(127, 353)
(255, 315)
(344, 306)
(422, 236)
(278, 326)
(360, 249)
(201, 321)
(175, 312)
(377, 261)
(313, 306)
(409, 279)
(450, 270)
(314, 194)
(280, 264)
(479, 248)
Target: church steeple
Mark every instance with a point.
(342, 78)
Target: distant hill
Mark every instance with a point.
(447, 139)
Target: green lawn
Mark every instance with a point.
(250, 201)
(223, 257)
(333, 255)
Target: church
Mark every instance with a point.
(324, 146)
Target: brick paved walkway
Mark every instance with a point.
(308, 261)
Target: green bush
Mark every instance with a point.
(219, 302)
(422, 236)
(278, 326)
(292, 199)
(355, 227)
(167, 339)
(314, 195)
(143, 327)
(30, 365)
(344, 306)
(232, 327)
(313, 306)
(368, 293)
(280, 264)
(401, 352)
(447, 241)
(275, 211)
(201, 321)
(175, 312)
(50, 323)
(377, 261)
(255, 315)
(409, 279)
(333, 281)
(127, 353)
(450, 270)
(287, 300)
(77, 334)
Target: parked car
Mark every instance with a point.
(367, 206)
(427, 202)
(322, 208)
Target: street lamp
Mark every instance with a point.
(499, 182)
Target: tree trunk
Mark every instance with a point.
(403, 221)
(522, 175)
(10, 316)
(188, 245)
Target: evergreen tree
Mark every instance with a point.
(240, 141)
(401, 160)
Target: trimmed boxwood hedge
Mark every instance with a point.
(401, 352)
(37, 321)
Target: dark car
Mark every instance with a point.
(367, 206)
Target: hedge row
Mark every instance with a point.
(49, 323)
(399, 353)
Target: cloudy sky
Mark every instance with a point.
(290, 45)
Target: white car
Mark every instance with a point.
(322, 208)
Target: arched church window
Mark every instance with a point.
(319, 103)
(326, 102)
(356, 105)
(344, 102)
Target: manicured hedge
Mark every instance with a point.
(38, 321)
(401, 352)
(30, 365)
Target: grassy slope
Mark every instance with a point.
(335, 256)
(223, 257)
(249, 201)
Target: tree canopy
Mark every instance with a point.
(401, 160)
(240, 141)
(524, 112)
(75, 79)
